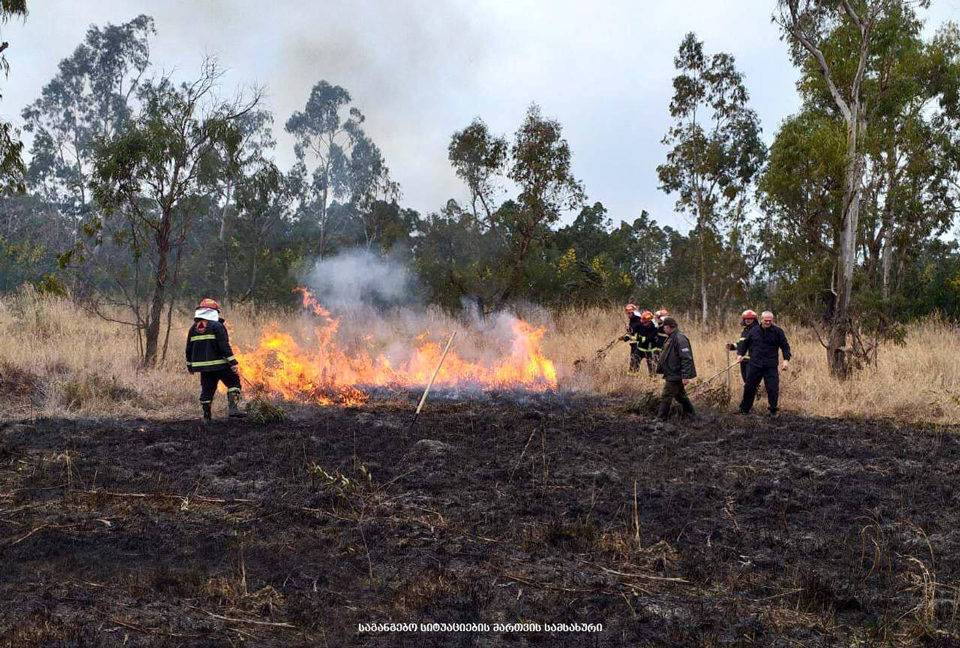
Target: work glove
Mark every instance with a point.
(625, 338)
(235, 369)
(731, 346)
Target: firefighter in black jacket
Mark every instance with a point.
(748, 320)
(678, 369)
(644, 341)
(764, 344)
(660, 315)
(209, 352)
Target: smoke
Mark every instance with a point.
(360, 279)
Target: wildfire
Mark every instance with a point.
(328, 375)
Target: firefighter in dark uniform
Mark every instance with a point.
(209, 353)
(633, 325)
(644, 338)
(678, 369)
(662, 335)
(763, 343)
(748, 320)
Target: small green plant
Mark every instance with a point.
(262, 410)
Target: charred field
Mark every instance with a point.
(721, 532)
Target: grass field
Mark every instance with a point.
(56, 359)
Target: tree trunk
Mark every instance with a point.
(887, 249)
(703, 277)
(159, 290)
(224, 247)
(837, 355)
(323, 222)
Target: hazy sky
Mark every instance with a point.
(421, 70)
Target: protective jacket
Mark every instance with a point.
(764, 346)
(743, 336)
(648, 337)
(644, 335)
(676, 358)
(661, 337)
(208, 346)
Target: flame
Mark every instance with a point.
(328, 375)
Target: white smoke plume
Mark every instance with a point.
(360, 278)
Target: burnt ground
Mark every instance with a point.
(728, 531)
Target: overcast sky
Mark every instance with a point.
(421, 70)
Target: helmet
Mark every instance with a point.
(646, 316)
(209, 303)
(629, 308)
(748, 314)
(663, 312)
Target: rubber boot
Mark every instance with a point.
(663, 412)
(688, 411)
(207, 413)
(233, 405)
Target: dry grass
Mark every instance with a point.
(57, 359)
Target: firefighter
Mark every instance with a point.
(678, 369)
(633, 328)
(748, 320)
(209, 352)
(661, 334)
(764, 344)
(647, 342)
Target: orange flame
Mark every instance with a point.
(328, 375)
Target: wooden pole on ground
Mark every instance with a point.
(423, 399)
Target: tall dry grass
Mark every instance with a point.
(58, 360)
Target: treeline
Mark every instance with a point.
(141, 191)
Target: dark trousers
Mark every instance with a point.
(771, 382)
(210, 379)
(744, 366)
(636, 356)
(674, 389)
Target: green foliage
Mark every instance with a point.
(715, 152)
(51, 285)
(102, 197)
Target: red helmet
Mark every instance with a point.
(646, 316)
(748, 314)
(629, 308)
(209, 303)
(663, 312)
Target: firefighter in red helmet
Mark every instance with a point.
(748, 320)
(209, 353)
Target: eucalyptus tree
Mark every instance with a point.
(345, 162)
(149, 181)
(715, 146)
(841, 48)
(479, 158)
(12, 169)
(92, 97)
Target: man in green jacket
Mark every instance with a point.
(678, 369)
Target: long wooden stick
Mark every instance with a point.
(423, 399)
(704, 382)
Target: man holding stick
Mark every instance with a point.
(763, 344)
(676, 365)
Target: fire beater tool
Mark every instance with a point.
(423, 399)
(719, 373)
